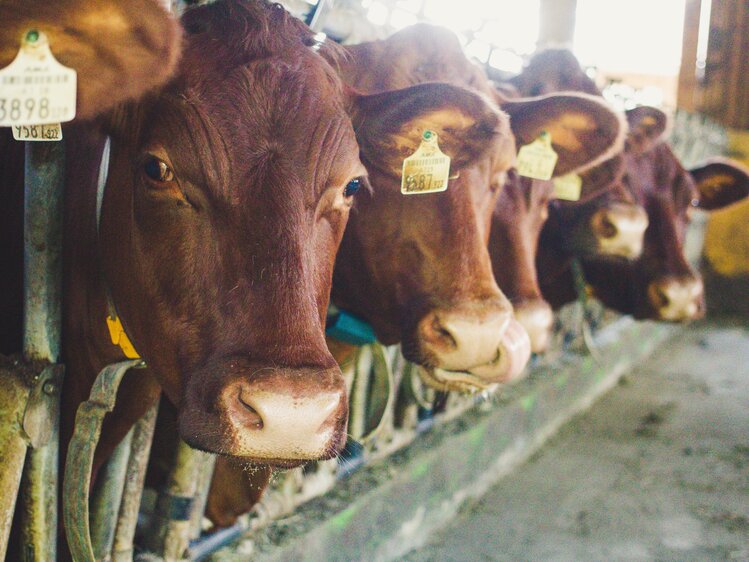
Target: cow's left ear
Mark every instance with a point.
(647, 127)
(721, 183)
(389, 125)
(584, 129)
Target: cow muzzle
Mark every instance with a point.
(537, 318)
(677, 299)
(281, 417)
(473, 347)
(619, 230)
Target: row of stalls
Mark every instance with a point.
(390, 408)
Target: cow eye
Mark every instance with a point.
(352, 187)
(157, 170)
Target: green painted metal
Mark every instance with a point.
(14, 392)
(80, 458)
(43, 195)
(39, 487)
(140, 448)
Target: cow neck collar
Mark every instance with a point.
(117, 333)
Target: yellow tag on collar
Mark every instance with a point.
(568, 187)
(537, 159)
(426, 170)
(119, 337)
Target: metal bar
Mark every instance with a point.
(107, 498)
(43, 195)
(14, 393)
(80, 458)
(43, 185)
(140, 449)
(174, 508)
(203, 486)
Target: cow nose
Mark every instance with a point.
(677, 298)
(483, 340)
(287, 417)
(537, 318)
(619, 229)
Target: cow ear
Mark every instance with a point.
(603, 177)
(721, 183)
(647, 127)
(584, 129)
(389, 125)
(119, 48)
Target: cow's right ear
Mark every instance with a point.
(119, 48)
(602, 177)
(389, 125)
(720, 182)
(647, 127)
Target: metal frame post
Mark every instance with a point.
(43, 196)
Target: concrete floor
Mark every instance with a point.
(658, 469)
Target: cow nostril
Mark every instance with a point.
(658, 297)
(607, 229)
(443, 332)
(251, 418)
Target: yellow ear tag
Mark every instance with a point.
(426, 170)
(568, 187)
(35, 89)
(537, 159)
(119, 337)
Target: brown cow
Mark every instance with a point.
(249, 157)
(435, 293)
(611, 225)
(417, 266)
(661, 284)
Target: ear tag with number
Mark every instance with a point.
(37, 132)
(426, 170)
(35, 89)
(568, 187)
(537, 159)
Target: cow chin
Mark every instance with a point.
(508, 365)
(276, 417)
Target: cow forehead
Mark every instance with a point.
(274, 114)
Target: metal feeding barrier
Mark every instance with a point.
(389, 408)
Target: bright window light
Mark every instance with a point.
(401, 18)
(636, 36)
(378, 13)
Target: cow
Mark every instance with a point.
(417, 267)
(424, 313)
(227, 195)
(661, 284)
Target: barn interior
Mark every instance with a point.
(609, 420)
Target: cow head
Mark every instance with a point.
(227, 198)
(662, 285)
(553, 70)
(417, 267)
(589, 131)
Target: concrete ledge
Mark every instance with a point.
(391, 506)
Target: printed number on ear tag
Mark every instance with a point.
(35, 89)
(37, 132)
(568, 187)
(426, 170)
(537, 159)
